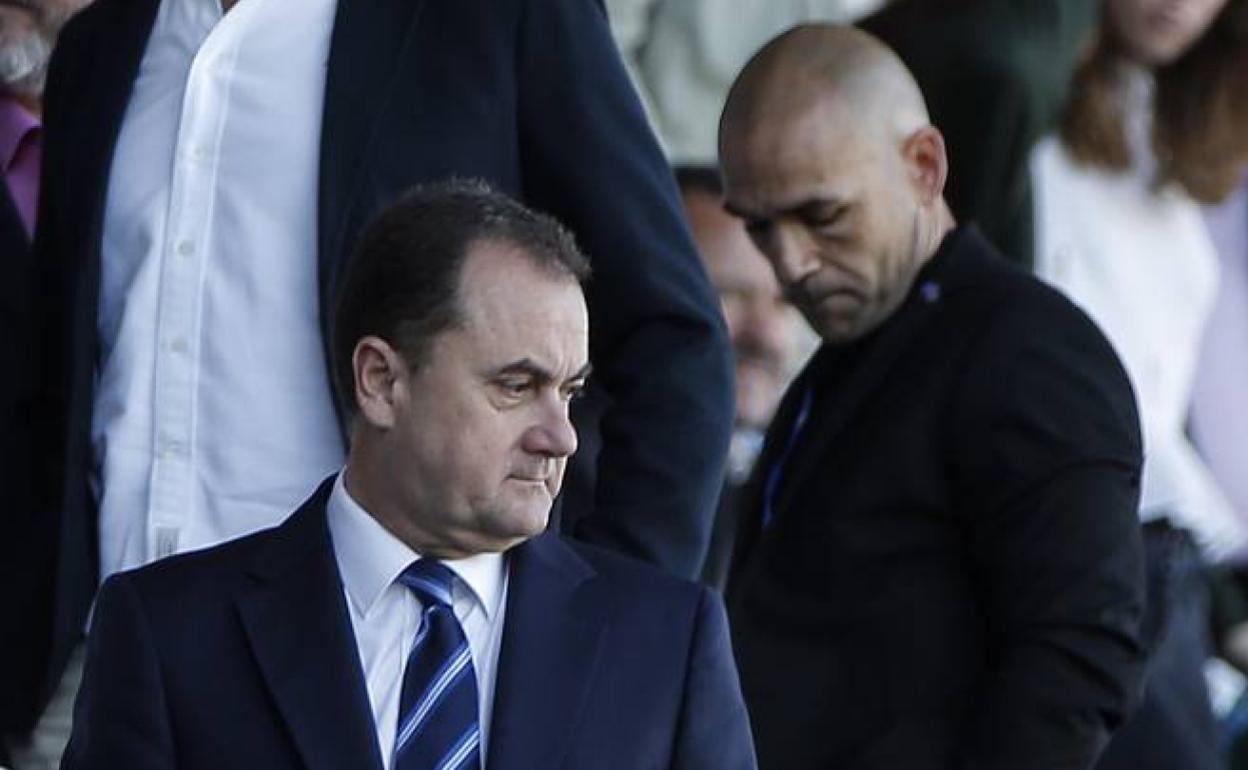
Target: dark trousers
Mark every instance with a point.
(1174, 728)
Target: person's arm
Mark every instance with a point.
(630, 26)
(1047, 459)
(657, 340)
(714, 731)
(120, 717)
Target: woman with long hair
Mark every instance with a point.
(1155, 126)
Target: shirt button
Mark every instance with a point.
(178, 345)
(186, 248)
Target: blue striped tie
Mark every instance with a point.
(438, 725)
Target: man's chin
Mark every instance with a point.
(518, 532)
(528, 514)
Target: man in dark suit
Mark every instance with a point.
(412, 613)
(941, 566)
(207, 166)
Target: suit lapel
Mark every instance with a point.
(365, 56)
(296, 620)
(833, 411)
(555, 624)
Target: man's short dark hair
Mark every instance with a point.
(402, 284)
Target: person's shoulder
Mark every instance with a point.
(1002, 294)
(199, 575)
(638, 583)
(1015, 323)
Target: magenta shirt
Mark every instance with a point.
(19, 157)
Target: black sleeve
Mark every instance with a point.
(657, 340)
(1048, 457)
(120, 717)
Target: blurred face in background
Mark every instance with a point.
(762, 326)
(1157, 32)
(28, 30)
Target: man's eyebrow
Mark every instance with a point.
(804, 207)
(830, 208)
(528, 366)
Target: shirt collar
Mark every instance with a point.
(371, 559)
(15, 123)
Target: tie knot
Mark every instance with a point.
(430, 580)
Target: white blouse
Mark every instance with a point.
(1140, 262)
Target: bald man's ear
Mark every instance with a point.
(381, 379)
(927, 163)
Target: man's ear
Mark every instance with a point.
(380, 381)
(927, 163)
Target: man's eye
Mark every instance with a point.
(514, 387)
(756, 227)
(827, 222)
(833, 228)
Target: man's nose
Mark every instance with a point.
(791, 255)
(553, 435)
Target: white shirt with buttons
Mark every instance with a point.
(213, 414)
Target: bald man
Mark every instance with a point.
(941, 566)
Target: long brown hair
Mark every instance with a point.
(1200, 125)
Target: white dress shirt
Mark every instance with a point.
(213, 414)
(386, 614)
(1140, 262)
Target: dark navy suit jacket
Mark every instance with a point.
(527, 94)
(243, 656)
(14, 454)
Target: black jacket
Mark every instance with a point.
(17, 426)
(953, 576)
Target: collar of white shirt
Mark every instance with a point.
(370, 559)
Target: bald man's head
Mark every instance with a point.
(817, 63)
(828, 155)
